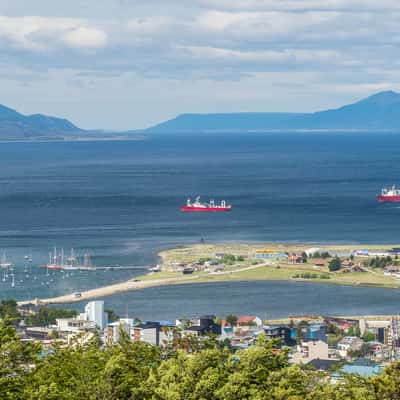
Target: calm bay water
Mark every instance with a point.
(120, 201)
(266, 299)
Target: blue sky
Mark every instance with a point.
(126, 64)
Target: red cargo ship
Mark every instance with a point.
(391, 195)
(205, 207)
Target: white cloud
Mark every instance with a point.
(266, 56)
(269, 24)
(83, 37)
(300, 5)
(150, 25)
(41, 33)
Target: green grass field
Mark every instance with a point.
(285, 271)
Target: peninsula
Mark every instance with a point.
(357, 265)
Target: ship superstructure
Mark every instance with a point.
(197, 206)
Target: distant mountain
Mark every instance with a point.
(15, 126)
(378, 112)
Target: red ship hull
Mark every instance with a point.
(204, 209)
(388, 199)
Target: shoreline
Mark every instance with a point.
(262, 271)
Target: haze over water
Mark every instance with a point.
(120, 201)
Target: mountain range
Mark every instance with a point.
(379, 112)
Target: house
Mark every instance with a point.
(38, 333)
(148, 332)
(205, 325)
(295, 258)
(347, 263)
(74, 325)
(283, 332)
(365, 370)
(248, 320)
(348, 345)
(114, 330)
(155, 333)
(316, 332)
(319, 262)
(226, 329)
(308, 351)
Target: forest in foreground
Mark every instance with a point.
(185, 369)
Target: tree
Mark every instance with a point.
(335, 264)
(231, 319)
(8, 309)
(15, 360)
(368, 336)
(228, 259)
(112, 315)
(69, 374)
(48, 315)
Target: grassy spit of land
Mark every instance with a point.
(247, 270)
(279, 269)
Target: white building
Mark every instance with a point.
(74, 325)
(94, 311)
(113, 331)
(312, 350)
(349, 344)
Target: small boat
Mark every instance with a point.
(197, 206)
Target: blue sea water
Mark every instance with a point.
(120, 201)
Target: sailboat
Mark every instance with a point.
(4, 263)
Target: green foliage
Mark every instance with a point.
(323, 254)
(133, 371)
(324, 276)
(228, 259)
(48, 315)
(8, 309)
(354, 331)
(333, 340)
(203, 260)
(368, 336)
(335, 264)
(379, 262)
(231, 319)
(15, 360)
(112, 316)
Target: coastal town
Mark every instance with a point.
(335, 346)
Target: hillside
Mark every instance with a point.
(16, 126)
(378, 112)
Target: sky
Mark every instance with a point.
(128, 64)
